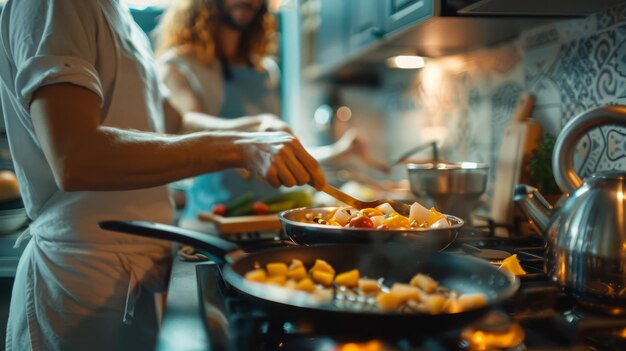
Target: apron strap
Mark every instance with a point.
(132, 294)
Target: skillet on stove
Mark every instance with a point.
(394, 262)
(297, 224)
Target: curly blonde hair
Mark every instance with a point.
(189, 27)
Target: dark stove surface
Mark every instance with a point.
(539, 317)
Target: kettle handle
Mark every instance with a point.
(576, 128)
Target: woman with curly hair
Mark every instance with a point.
(233, 32)
(214, 61)
(214, 56)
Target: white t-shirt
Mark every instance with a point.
(93, 44)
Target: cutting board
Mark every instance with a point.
(241, 224)
(520, 137)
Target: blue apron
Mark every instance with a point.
(247, 93)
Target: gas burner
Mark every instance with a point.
(325, 343)
(607, 340)
(603, 331)
(491, 255)
(495, 331)
(582, 312)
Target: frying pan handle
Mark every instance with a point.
(215, 247)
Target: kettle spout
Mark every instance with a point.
(534, 206)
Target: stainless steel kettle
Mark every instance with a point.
(586, 230)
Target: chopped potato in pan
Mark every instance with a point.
(349, 279)
(421, 294)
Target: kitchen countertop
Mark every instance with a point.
(183, 327)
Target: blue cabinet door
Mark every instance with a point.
(331, 35)
(366, 20)
(400, 14)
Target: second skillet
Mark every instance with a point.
(395, 263)
(297, 224)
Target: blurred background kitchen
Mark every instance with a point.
(406, 73)
(464, 66)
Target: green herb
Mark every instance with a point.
(541, 174)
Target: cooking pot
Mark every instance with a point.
(586, 230)
(454, 188)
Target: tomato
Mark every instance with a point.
(260, 208)
(219, 209)
(361, 222)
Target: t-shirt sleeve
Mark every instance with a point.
(54, 41)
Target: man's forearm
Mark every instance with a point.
(86, 156)
(131, 160)
(193, 121)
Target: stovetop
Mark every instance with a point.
(539, 317)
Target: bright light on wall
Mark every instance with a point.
(323, 115)
(406, 62)
(344, 113)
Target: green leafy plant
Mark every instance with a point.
(541, 174)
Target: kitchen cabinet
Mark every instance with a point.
(366, 19)
(348, 26)
(331, 37)
(355, 37)
(402, 13)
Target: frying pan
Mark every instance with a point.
(395, 263)
(297, 225)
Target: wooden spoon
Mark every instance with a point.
(398, 206)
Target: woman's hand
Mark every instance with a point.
(350, 144)
(280, 159)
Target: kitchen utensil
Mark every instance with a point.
(12, 220)
(12, 215)
(453, 187)
(519, 139)
(241, 224)
(405, 156)
(297, 225)
(12, 204)
(393, 262)
(586, 230)
(398, 206)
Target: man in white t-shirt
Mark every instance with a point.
(84, 118)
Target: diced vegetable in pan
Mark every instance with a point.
(274, 269)
(385, 217)
(422, 294)
(349, 279)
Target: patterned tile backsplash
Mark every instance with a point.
(466, 101)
